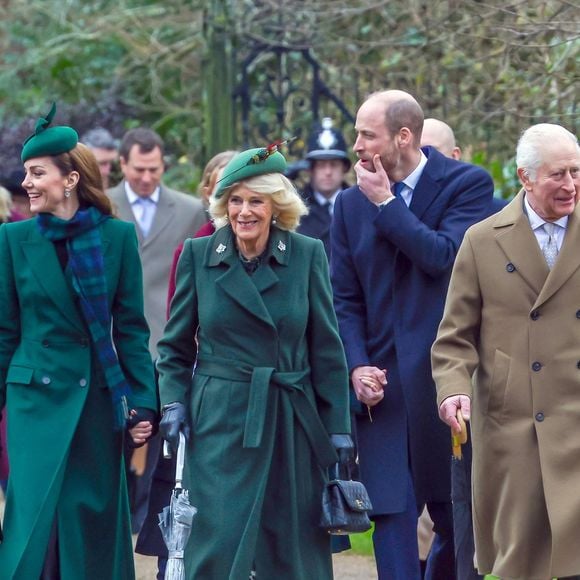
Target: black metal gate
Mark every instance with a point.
(281, 94)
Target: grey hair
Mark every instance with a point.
(287, 203)
(99, 138)
(529, 148)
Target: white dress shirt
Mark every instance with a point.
(537, 225)
(143, 208)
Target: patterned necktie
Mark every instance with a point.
(550, 249)
(398, 188)
(145, 213)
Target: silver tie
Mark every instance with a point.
(146, 215)
(550, 249)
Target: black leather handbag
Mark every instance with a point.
(345, 504)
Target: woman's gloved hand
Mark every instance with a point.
(344, 447)
(173, 421)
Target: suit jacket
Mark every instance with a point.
(515, 327)
(316, 224)
(270, 384)
(177, 218)
(390, 268)
(65, 456)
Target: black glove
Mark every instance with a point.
(344, 447)
(173, 421)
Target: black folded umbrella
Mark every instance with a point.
(462, 513)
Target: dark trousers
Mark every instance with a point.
(395, 542)
(441, 559)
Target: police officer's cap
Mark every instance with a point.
(327, 143)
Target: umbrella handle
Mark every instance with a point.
(180, 461)
(180, 458)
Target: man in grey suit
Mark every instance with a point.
(163, 218)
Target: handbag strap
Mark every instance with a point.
(334, 471)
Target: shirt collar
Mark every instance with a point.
(133, 197)
(536, 221)
(322, 200)
(413, 178)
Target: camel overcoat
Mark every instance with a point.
(66, 462)
(270, 385)
(515, 327)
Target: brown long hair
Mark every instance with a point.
(90, 186)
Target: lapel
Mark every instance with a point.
(164, 214)
(45, 267)
(246, 291)
(428, 186)
(518, 242)
(568, 259)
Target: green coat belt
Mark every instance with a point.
(260, 379)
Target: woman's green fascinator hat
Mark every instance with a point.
(250, 163)
(47, 140)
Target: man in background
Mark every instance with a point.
(328, 164)
(104, 147)
(440, 135)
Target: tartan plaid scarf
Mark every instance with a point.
(87, 269)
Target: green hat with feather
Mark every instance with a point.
(47, 140)
(251, 163)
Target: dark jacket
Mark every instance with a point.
(390, 270)
(317, 223)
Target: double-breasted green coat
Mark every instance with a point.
(270, 385)
(66, 463)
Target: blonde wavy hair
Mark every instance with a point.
(5, 204)
(288, 206)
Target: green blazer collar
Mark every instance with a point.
(222, 247)
(246, 290)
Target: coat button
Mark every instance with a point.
(535, 314)
(45, 380)
(84, 342)
(510, 268)
(83, 382)
(539, 417)
(536, 366)
(45, 343)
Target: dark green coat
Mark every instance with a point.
(270, 385)
(65, 458)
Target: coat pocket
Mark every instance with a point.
(19, 375)
(498, 385)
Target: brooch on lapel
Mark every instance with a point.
(221, 249)
(281, 246)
